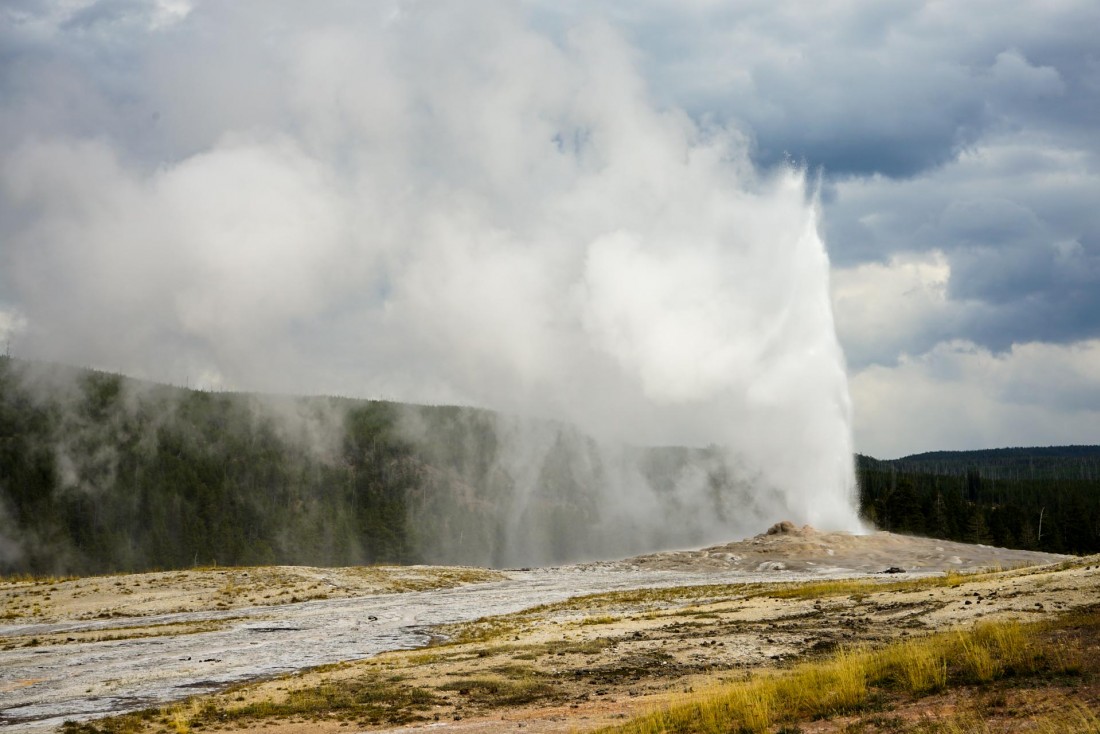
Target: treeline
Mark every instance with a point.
(1040, 462)
(1037, 499)
(98, 478)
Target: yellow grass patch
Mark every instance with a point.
(844, 682)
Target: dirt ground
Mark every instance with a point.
(210, 589)
(598, 663)
(596, 660)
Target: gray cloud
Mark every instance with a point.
(966, 397)
(859, 88)
(1014, 219)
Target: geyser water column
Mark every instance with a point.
(726, 330)
(702, 322)
(617, 266)
(443, 205)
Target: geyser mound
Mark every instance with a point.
(785, 547)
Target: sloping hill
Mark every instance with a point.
(102, 473)
(1039, 462)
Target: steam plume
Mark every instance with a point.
(442, 206)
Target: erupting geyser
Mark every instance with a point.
(444, 206)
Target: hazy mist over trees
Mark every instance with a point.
(100, 473)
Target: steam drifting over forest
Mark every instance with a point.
(448, 207)
(101, 473)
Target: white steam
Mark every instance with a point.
(438, 205)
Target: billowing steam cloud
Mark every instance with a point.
(430, 204)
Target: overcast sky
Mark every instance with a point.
(955, 145)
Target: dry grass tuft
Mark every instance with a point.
(493, 692)
(855, 587)
(845, 682)
(1076, 718)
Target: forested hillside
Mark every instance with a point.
(1035, 498)
(102, 473)
(1040, 462)
(97, 478)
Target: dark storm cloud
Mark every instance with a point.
(1039, 284)
(1056, 315)
(1017, 225)
(861, 88)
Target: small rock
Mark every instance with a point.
(784, 527)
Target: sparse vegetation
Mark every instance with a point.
(30, 578)
(129, 595)
(365, 699)
(848, 680)
(847, 587)
(686, 640)
(129, 632)
(496, 692)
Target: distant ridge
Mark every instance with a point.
(1036, 462)
(1073, 451)
(102, 473)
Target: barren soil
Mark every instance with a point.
(214, 589)
(572, 664)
